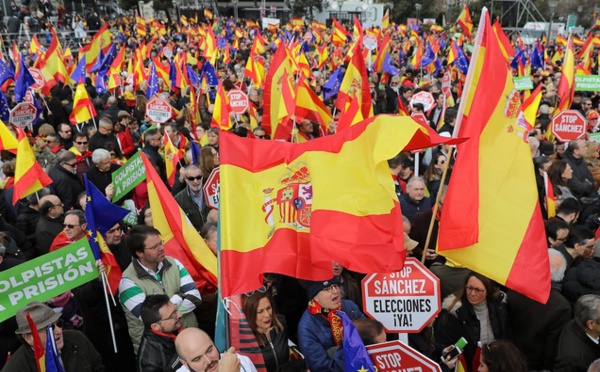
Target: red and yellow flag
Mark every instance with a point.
(356, 82)
(465, 22)
(39, 353)
(566, 84)
(507, 49)
(309, 106)
(492, 222)
(550, 198)
(221, 118)
(296, 198)
(29, 174)
(278, 74)
(385, 21)
(83, 109)
(182, 241)
(172, 157)
(7, 139)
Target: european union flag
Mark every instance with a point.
(4, 108)
(194, 79)
(462, 62)
(195, 152)
(428, 56)
(172, 74)
(208, 73)
(537, 57)
(52, 360)
(519, 58)
(100, 214)
(222, 42)
(98, 63)
(79, 72)
(103, 65)
(356, 357)
(332, 86)
(23, 81)
(101, 83)
(5, 72)
(388, 65)
(152, 82)
(39, 108)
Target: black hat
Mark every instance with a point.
(313, 288)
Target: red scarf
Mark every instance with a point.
(82, 157)
(337, 329)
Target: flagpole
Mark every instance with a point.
(110, 321)
(437, 204)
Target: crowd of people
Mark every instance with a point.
(165, 321)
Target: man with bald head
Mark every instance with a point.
(198, 353)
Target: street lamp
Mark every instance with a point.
(552, 4)
(340, 4)
(292, 2)
(418, 7)
(235, 9)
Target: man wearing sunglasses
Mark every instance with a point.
(191, 199)
(76, 351)
(65, 181)
(74, 229)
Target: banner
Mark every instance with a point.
(46, 276)
(128, 176)
(587, 83)
(523, 82)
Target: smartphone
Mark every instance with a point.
(457, 349)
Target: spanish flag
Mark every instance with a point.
(492, 222)
(83, 109)
(29, 175)
(38, 349)
(182, 241)
(172, 158)
(7, 139)
(279, 73)
(465, 22)
(385, 21)
(307, 204)
(309, 106)
(566, 84)
(221, 111)
(356, 82)
(550, 198)
(507, 49)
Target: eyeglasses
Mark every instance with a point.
(197, 178)
(73, 165)
(69, 226)
(261, 136)
(157, 246)
(114, 229)
(331, 287)
(262, 289)
(81, 143)
(58, 205)
(469, 288)
(66, 131)
(173, 316)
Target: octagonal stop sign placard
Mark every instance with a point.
(568, 125)
(403, 301)
(212, 188)
(394, 356)
(238, 101)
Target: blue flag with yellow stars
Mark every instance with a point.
(4, 108)
(152, 82)
(356, 357)
(5, 72)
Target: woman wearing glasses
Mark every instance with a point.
(476, 312)
(320, 332)
(269, 328)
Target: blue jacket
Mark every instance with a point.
(315, 339)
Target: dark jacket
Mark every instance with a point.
(47, 229)
(78, 354)
(26, 222)
(536, 327)
(582, 279)
(99, 141)
(101, 179)
(576, 351)
(459, 320)
(411, 207)
(159, 162)
(157, 353)
(315, 339)
(196, 215)
(582, 182)
(276, 353)
(66, 185)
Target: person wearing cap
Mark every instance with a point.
(320, 332)
(76, 352)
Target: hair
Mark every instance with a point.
(80, 215)
(502, 356)
(140, 102)
(172, 125)
(207, 229)
(78, 135)
(450, 116)
(573, 145)
(541, 161)
(413, 180)
(149, 134)
(206, 160)
(587, 308)
(492, 289)
(558, 265)
(8, 168)
(150, 309)
(34, 199)
(250, 306)
(136, 240)
(104, 122)
(368, 329)
(594, 367)
(552, 227)
(396, 160)
(590, 153)
(142, 214)
(430, 173)
(68, 126)
(100, 154)
(66, 156)
(556, 171)
(578, 235)
(111, 146)
(46, 129)
(568, 206)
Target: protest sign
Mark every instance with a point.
(128, 176)
(45, 277)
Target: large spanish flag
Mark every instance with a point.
(7, 139)
(29, 174)
(566, 84)
(182, 241)
(307, 204)
(279, 73)
(491, 222)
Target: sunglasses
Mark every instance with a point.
(261, 136)
(81, 143)
(69, 226)
(197, 178)
(71, 165)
